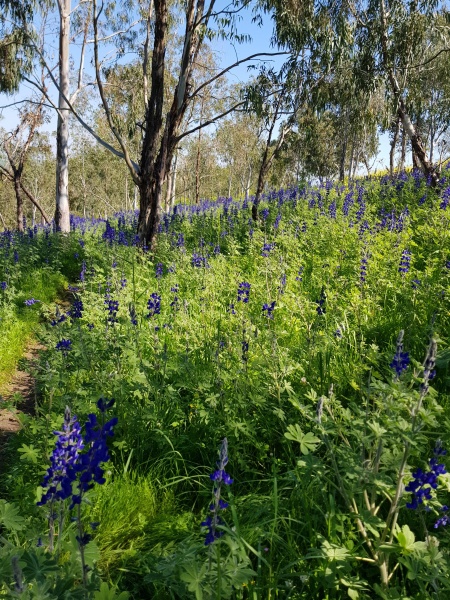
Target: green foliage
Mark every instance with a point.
(318, 424)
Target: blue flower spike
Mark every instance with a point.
(400, 361)
(220, 477)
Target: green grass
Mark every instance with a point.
(19, 323)
(183, 380)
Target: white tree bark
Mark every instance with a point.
(173, 181)
(62, 213)
(249, 181)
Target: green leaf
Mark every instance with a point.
(308, 441)
(91, 551)
(38, 565)
(193, 576)
(9, 516)
(29, 453)
(333, 552)
(107, 593)
(377, 429)
(372, 523)
(406, 538)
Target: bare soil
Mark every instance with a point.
(21, 391)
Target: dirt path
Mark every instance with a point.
(21, 390)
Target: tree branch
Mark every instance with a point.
(145, 58)
(133, 171)
(100, 140)
(237, 63)
(209, 122)
(81, 67)
(35, 202)
(112, 35)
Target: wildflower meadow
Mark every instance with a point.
(254, 410)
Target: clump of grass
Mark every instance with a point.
(19, 322)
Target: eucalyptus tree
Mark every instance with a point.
(239, 147)
(275, 97)
(15, 52)
(383, 39)
(40, 56)
(429, 93)
(161, 131)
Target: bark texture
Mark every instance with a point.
(417, 145)
(62, 212)
(160, 139)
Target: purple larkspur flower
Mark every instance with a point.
(199, 261)
(400, 361)
(277, 221)
(112, 306)
(332, 210)
(445, 198)
(31, 301)
(243, 294)
(267, 249)
(133, 315)
(424, 482)
(220, 477)
(264, 214)
(405, 262)
(154, 305)
(268, 309)
(76, 312)
(363, 270)
(321, 302)
(61, 474)
(64, 346)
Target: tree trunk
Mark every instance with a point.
(150, 196)
(403, 154)
(249, 181)
(197, 170)
(168, 188)
(432, 135)
(352, 155)
(19, 202)
(259, 189)
(355, 165)
(172, 182)
(152, 163)
(393, 147)
(267, 160)
(62, 213)
(425, 165)
(342, 161)
(264, 167)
